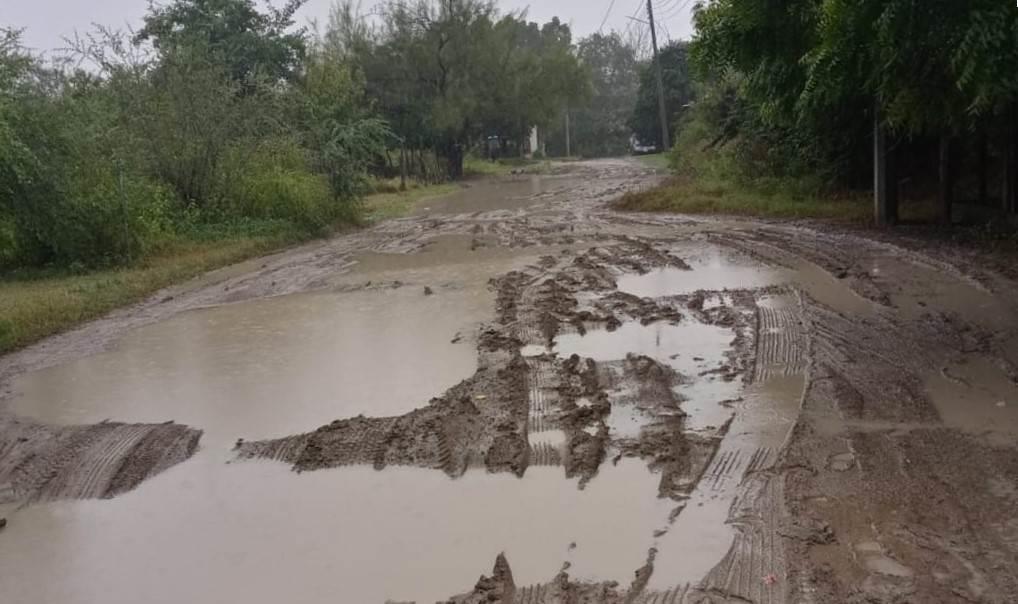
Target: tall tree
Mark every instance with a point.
(249, 43)
(601, 125)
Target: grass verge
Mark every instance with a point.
(684, 195)
(38, 303)
(657, 161)
(393, 204)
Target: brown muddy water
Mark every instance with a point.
(509, 193)
(211, 530)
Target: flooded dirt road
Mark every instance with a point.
(518, 384)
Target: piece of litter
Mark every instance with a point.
(1002, 403)
(481, 397)
(770, 580)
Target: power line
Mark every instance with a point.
(676, 10)
(607, 14)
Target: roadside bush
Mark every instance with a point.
(271, 180)
(8, 241)
(110, 216)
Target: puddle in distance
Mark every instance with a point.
(712, 270)
(505, 194)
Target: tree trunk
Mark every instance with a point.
(569, 142)
(455, 158)
(1010, 192)
(885, 179)
(402, 166)
(946, 179)
(983, 157)
(424, 167)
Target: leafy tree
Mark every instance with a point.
(601, 125)
(446, 74)
(249, 43)
(931, 69)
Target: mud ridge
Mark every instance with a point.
(44, 463)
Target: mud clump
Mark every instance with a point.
(481, 420)
(498, 588)
(43, 463)
(586, 432)
(501, 589)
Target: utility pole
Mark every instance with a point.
(665, 138)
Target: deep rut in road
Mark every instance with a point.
(828, 417)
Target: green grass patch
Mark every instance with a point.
(684, 195)
(384, 206)
(657, 161)
(39, 303)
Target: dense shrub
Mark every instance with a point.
(272, 180)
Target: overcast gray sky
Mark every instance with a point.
(47, 22)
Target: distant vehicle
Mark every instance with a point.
(638, 147)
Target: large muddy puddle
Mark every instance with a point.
(274, 366)
(381, 341)
(256, 532)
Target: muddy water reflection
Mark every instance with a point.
(692, 349)
(207, 532)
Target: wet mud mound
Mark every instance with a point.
(480, 422)
(45, 463)
(936, 522)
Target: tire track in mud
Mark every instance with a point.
(45, 463)
(780, 343)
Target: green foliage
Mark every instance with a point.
(247, 43)
(232, 121)
(801, 81)
(270, 180)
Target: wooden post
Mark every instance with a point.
(946, 179)
(885, 180)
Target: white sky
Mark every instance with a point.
(47, 22)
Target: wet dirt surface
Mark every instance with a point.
(519, 384)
